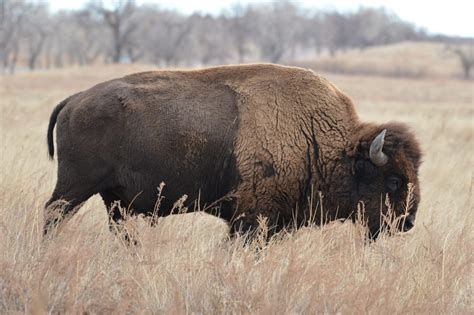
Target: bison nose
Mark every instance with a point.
(409, 223)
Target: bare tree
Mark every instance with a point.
(125, 32)
(313, 32)
(208, 39)
(165, 36)
(367, 25)
(12, 17)
(466, 57)
(35, 32)
(277, 24)
(89, 31)
(118, 19)
(337, 32)
(240, 29)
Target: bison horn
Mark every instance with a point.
(375, 152)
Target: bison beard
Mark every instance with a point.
(255, 140)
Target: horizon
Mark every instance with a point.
(456, 22)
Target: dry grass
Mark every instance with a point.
(406, 60)
(186, 264)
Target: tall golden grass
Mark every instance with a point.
(186, 264)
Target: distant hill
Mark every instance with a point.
(405, 59)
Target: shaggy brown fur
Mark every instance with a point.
(259, 137)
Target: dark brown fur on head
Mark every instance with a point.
(375, 183)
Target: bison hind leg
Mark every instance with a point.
(63, 204)
(73, 188)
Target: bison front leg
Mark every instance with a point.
(113, 203)
(256, 223)
(244, 224)
(115, 209)
(259, 212)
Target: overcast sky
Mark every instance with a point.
(453, 17)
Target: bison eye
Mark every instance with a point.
(393, 183)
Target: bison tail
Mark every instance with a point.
(52, 123)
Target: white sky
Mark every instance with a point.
(453, 17)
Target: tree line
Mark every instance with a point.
(32, 36)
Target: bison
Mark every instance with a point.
(252, 140)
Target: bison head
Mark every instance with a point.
(384, 164)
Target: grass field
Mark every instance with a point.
(403, 60)
(187, 265)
